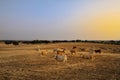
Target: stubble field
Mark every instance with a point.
(24, 62)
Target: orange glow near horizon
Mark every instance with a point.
(106, 26)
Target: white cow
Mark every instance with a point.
(61, 58)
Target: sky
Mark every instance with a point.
(59, 19)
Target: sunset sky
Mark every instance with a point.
(59, 19)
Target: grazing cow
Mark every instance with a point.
(74, 47)
(59, 50)
(98, 51)
(82, 49)
(43, 52)
(87, 56)
(73, 50)
(61, 57)
(60, 54)
(91, 51)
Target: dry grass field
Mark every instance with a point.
(24, 62)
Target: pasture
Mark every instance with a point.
(24, 62)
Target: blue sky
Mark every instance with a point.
(57, 19)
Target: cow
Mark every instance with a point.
(59, 50)
(91, 51)
(98, 51)
(73, 50)
(88, 56)
(43, 52)
(61, 57)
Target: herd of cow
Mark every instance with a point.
(61, 54)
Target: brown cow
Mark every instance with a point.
(98, 51)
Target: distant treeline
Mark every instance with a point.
(14, 42)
